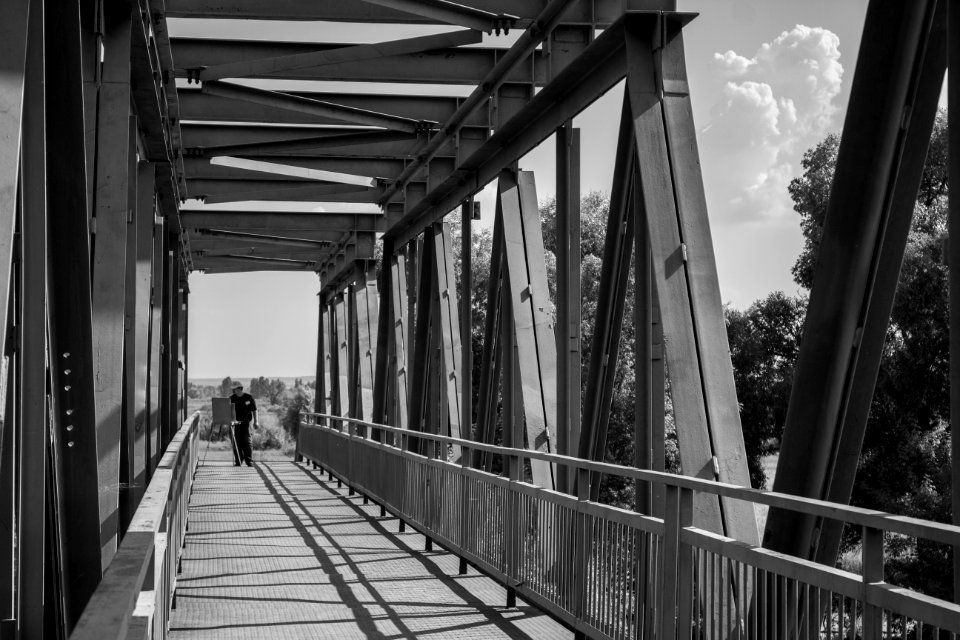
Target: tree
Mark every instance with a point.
(764, 342)
(226, 387)
(904, 463)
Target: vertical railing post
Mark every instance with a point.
(872, 572)
(582, 548)
(685, 593)
(351, 433)
(670, 564)
(465, 458)
(514, 471)
(401, 507)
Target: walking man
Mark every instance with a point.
(246, 410)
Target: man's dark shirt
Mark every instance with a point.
(244, 405)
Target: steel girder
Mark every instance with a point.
(879, 166)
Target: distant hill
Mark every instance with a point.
(215, 382)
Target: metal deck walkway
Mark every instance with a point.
(277, 551)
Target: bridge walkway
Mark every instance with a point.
(279, 551)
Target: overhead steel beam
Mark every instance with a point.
(225, 191)
(363, 172)
(500, 73)
(302, 265)
(195, 106)
(321, 108)
(372, 141)
(594, 72)
(451, 13)
(213, 248)
(600, 12)
(299, 172)
(276, 221)
(356, 53)
(263, 239)
(460, 66)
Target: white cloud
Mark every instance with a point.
(772, 107)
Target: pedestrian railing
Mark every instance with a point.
(614, 573)
(137, 591)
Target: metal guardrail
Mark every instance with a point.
(134, 597)
(612, 573)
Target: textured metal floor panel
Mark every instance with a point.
(276, 551)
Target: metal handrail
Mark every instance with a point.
(611, 573)
(134, 596)
(905, 525)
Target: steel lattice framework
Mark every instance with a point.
(129, 157)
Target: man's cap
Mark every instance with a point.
(236, 385)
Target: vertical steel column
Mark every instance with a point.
(353, 350)
(127, 493)
(343, 355)
(91, 40)
(182, 292)
(144, 214)
(568, 297)
(382, 401)
(526, 272)
(367, 312)
(32, 375)
(8, 478)
(323, 348)
(953, 177)
(69, 316)
(825, 382)
(333, 379)
(447, 334)
(155, 360)
(648, 353)
(401, 319)
(419, 384)
(13, 47)
(704, 395)
(888, 258)
(492, 353)
(611, 298)
(109, 260)
(168, 386)
(185, 348)
(466, 319)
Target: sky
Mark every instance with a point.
(768, 80)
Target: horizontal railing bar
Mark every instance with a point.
(918, 606)
(905, 525)
(818, 575)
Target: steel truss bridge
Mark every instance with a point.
(111, 129)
